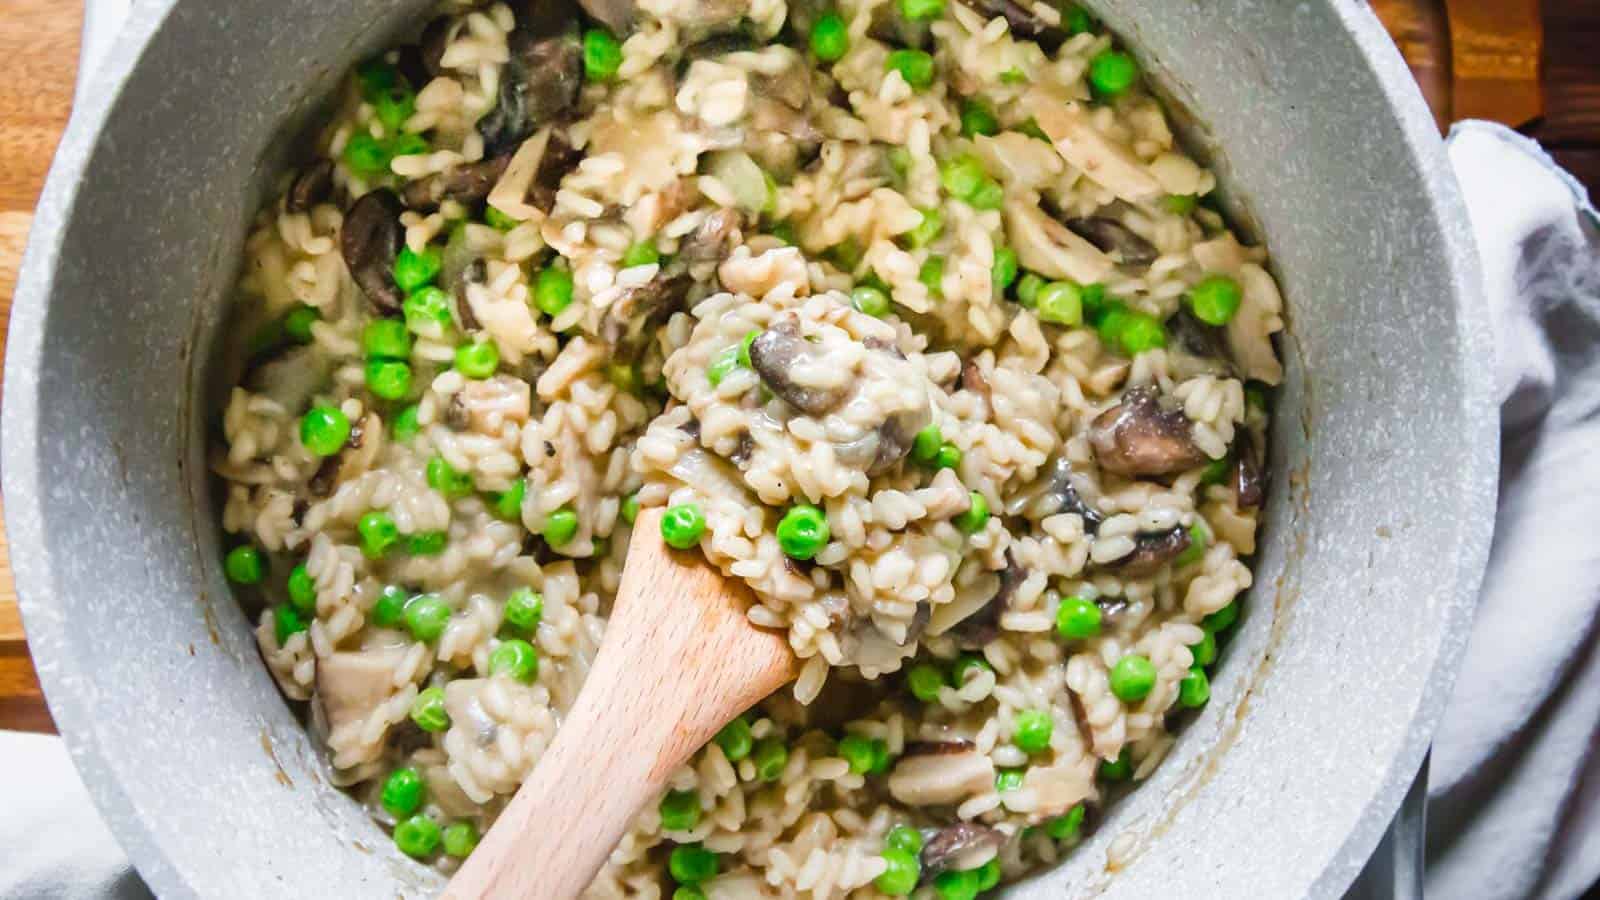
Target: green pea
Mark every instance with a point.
(418, 836)
(324, 429)
(524, 609)
(244, 565)
(1077, 619)
(899, 160)
(989, 195)
(1132, 678)
(1255, 395)
(722, 365)
(1004, 271)
(1065, 827)
(428, 711)
(901, 874)
(921, 10)
(680, 811)
(460, 838)
(688, 892)
(692, 864)
(478, 360)
(390, 606)
(988, 875)
(1061, 303)
(408, 145)
(515, 658)
(1008, 780)
(1215, 299)
(427, 543)
(977, 119)
(302, 590)
(1094, 300)
(682, 525)
(641, 253)
(784, 231)
(395, 107)
(928, 229)
(1142, 332)
(560, 527)
(976, 515)
(378, 533)
(905, 838)
(624, 376)
(1033, 730)
(426, 616)
(1013, 75)
(1028, 290)
(1216, 471)
(402, 792)
(932, 275)
(915, 66)
(870, 300)
(961, 176)
(1199, 540)
(925, 446)
(967, 665)
(443, 477)
(1222, 619)
(602, 55)
(830, 37)
(427, 311)
(770, 756)
(386, 339)
(745, 343)
(735, 739)
(508, 503)
(630, 508)
(388, 379)
(552, 290)
(1205, 652)
(367, 156)
(1180, 204)
(1031, 128)
(413, 270)
(498, 220)
(374, 76)
(925, 680)
(286, 623)
(1195, 689)
(1077, 21)
(953, 885)
(297, 324)
(1119, 769)
(949, 456)
(857, 751)
(1112, 72)
(803, 532)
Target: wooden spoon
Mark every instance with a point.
(680, 660)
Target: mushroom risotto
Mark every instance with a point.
(911, 313)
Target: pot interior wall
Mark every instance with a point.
(1382, 463)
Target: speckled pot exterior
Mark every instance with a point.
(1383, 461)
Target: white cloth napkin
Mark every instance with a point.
(1515, 787)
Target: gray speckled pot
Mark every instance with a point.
(1383, 458)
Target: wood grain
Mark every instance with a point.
(1439, 38)
(680, 660)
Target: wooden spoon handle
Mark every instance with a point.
(677, 663)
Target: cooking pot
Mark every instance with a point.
(1383, 456)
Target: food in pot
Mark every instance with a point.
(911, 314)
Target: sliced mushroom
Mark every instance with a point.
(740, 41)
(982, 627)
(632, 319)
(1022, 21)
(428, 63)
(369, 240)
(954, 846)
(539, 83)
(897, 30)
(616, 15)
(1060, 495)
(360, 451)
(1196, 348)
(880, 449)
(458, 282)
(1050, 248)
(312, 186)
(922, 778)
(777, 352)
(1084, 147)
(1151, 552)
(351, 684)
(1140, 437)
(544, 18)
(1111, 236)
(714, 239)
(467, 184)
(1249, 485)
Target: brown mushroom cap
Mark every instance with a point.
(774, 355)
(952, 842)
(539, 82)
(1140, 437)
(369, 240)
(1110, 236)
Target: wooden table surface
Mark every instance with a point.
(1473, 58)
